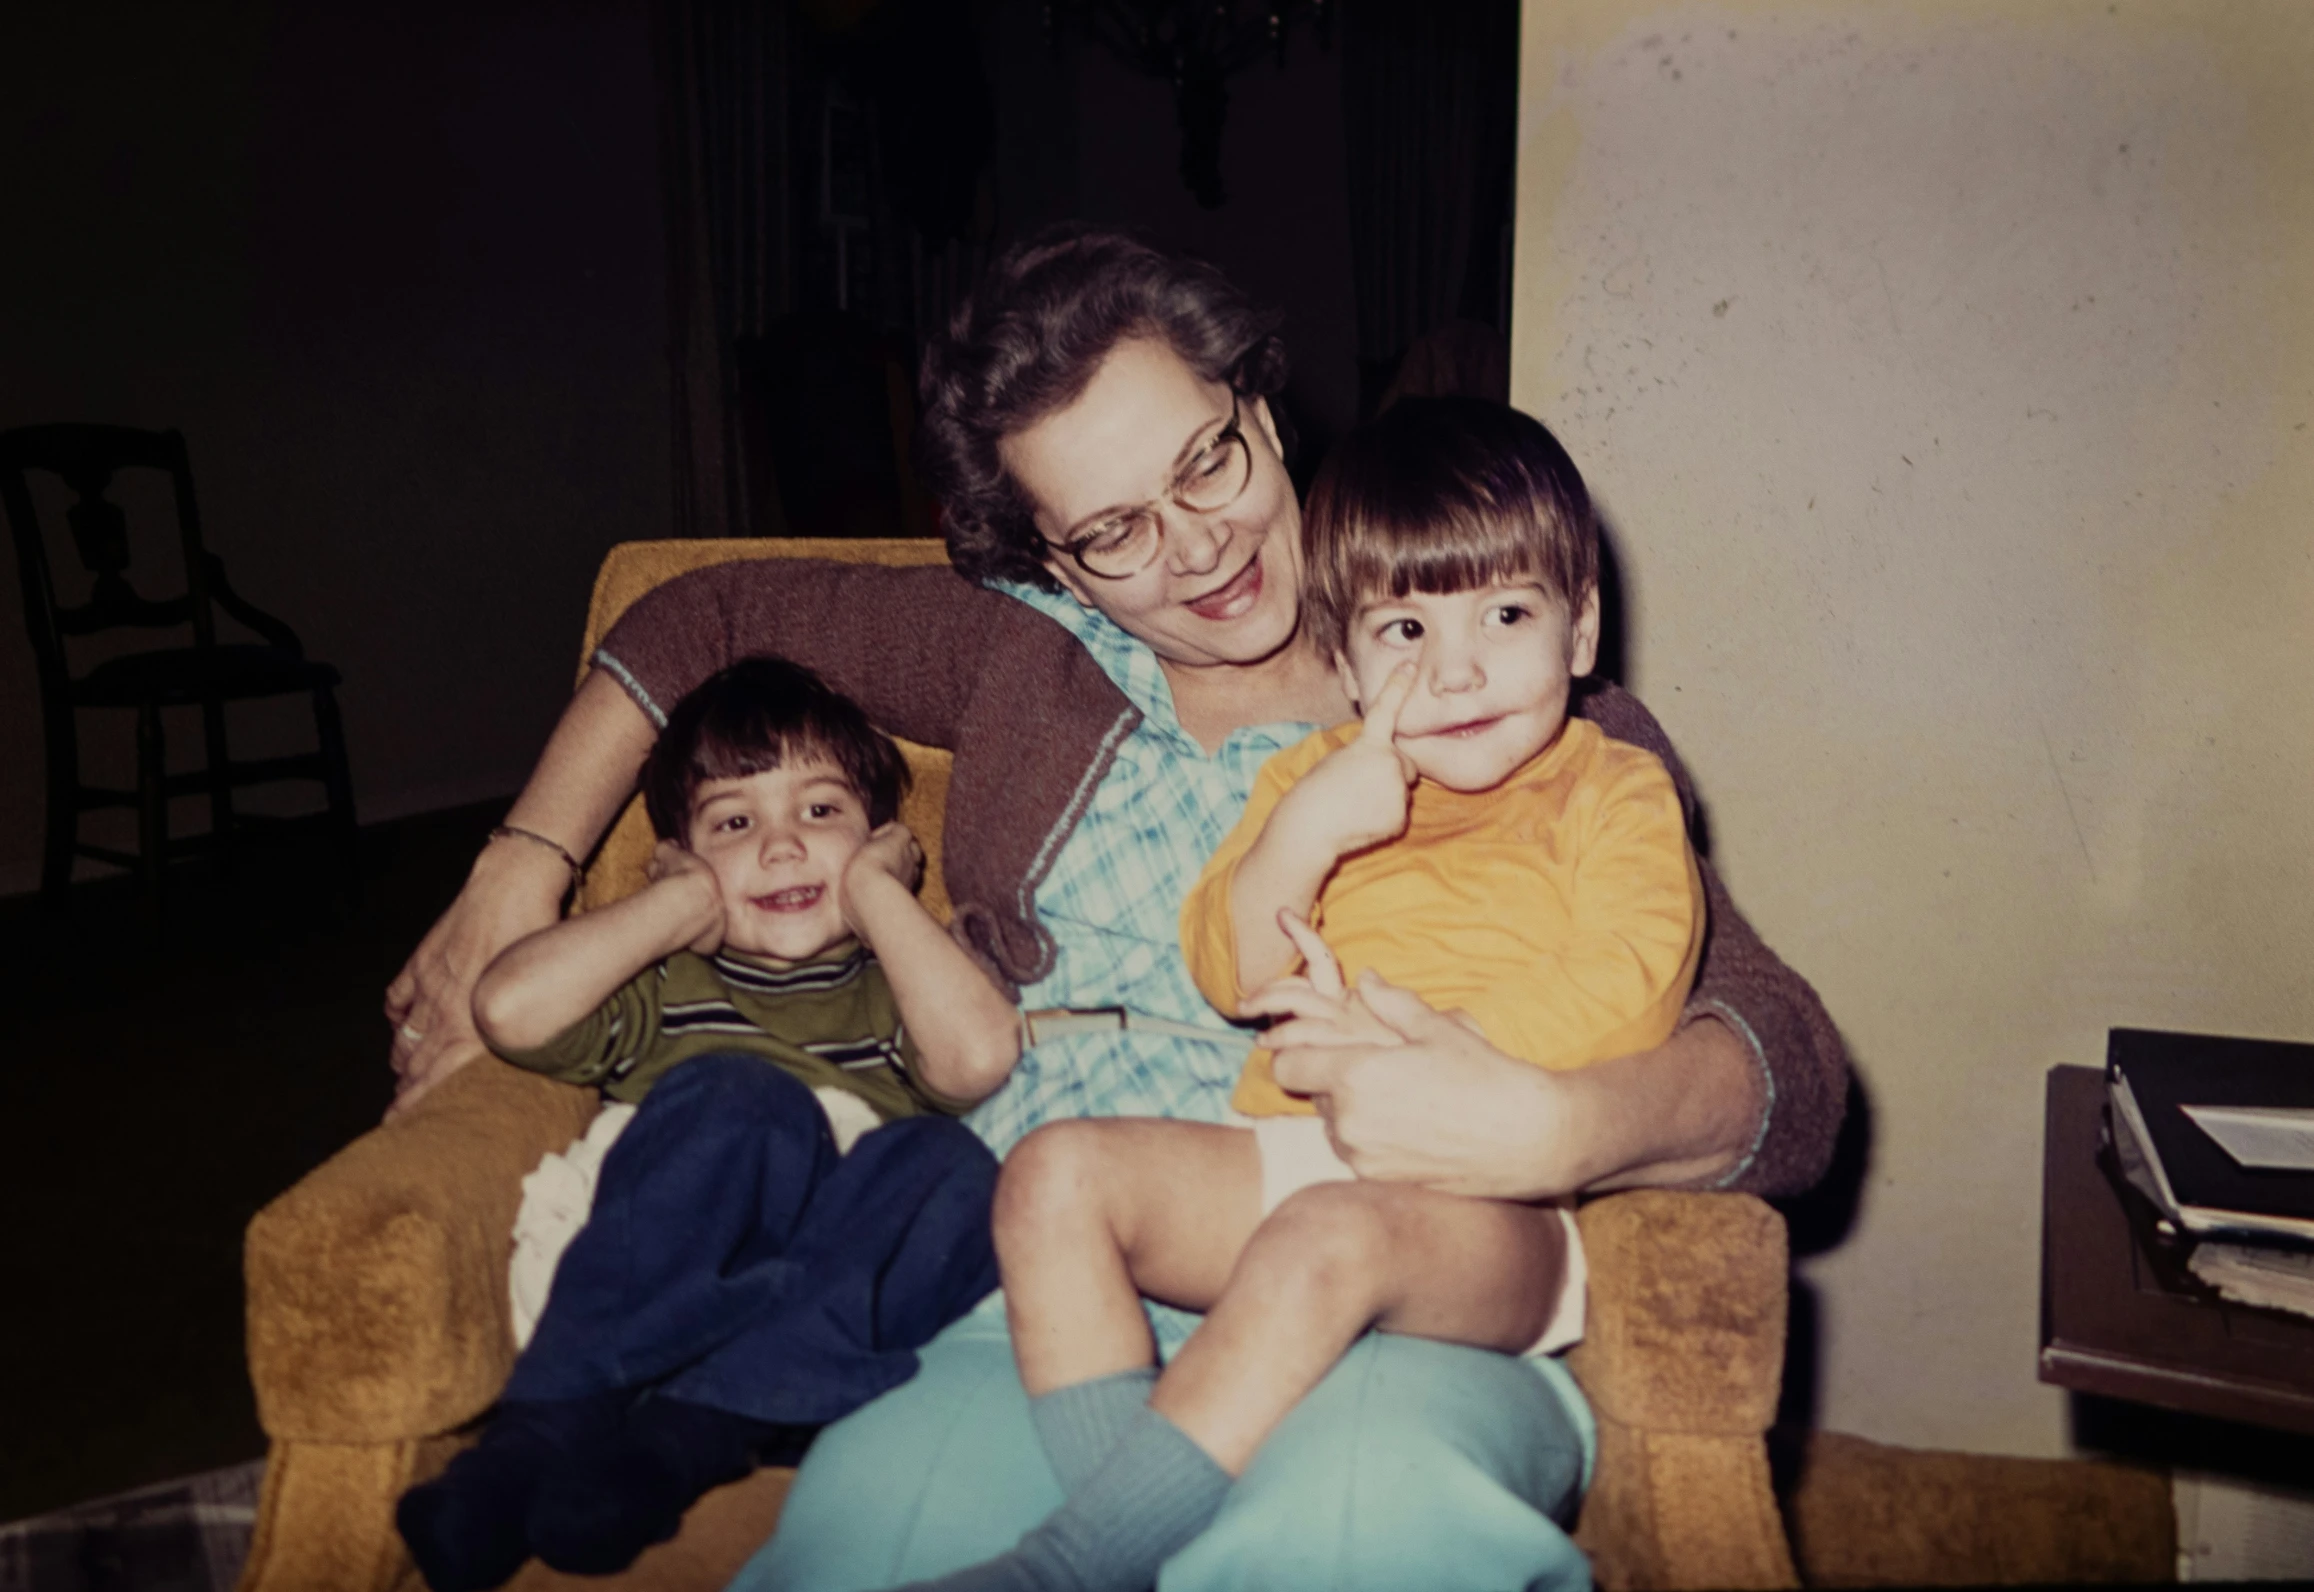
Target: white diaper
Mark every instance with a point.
(1296, 1154)
(555, 1201)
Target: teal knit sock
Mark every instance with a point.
(1148, 1500)
(1079, 1425)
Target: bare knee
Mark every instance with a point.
(1050, 1180)
(1336, 1246)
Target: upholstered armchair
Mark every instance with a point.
(378, 1330)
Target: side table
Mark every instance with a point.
(2109, 1323)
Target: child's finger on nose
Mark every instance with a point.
(1382, 718)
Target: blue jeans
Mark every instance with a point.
(1414, 1465)
(733, 1259)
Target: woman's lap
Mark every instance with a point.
(1413, 1464)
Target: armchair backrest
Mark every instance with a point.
(633, 568)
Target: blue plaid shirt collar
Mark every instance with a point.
(1128, 662)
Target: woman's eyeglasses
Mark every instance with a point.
(1125, 544)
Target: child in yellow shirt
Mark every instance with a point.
(1467, 841)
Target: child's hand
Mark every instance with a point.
(674, 868)
(1356, 797)
(1313, 1007)
(1319, 964)
(891, 851)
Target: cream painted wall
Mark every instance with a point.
(1947, 372)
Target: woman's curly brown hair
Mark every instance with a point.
(1026, 344)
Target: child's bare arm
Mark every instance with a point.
(967, 1034)
(1355, 798)
(542, 984)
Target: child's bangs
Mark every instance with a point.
(757, 739)
(751, 740)
(1443, 495)
(1454, 548)
(758, 715)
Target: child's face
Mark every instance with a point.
(1492, 671)
(777, 843)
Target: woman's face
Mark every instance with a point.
(1225, 586)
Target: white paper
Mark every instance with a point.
(2260, 1136)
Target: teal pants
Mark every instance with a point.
(1414, 1465)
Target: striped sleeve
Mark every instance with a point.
(606, 1045)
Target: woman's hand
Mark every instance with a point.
(515, 889)
(585, 775)
(1436, 1105)
(1444, 1108)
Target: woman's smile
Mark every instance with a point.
(1117, 446)
(1233, 597)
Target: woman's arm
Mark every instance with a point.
(1448, 1110)
(908, 644)
(1773, 1021)
(516, 886)
(1747, 1094)
(905, 643)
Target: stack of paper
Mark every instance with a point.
(2219, 1135)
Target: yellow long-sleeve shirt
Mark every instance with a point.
(1562, 909)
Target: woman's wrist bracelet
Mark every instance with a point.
(578, 873)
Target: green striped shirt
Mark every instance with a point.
(831, 1021)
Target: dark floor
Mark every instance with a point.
(160, 1081)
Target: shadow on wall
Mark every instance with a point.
(1821, 1219)
(1818, 1222)
(1614, 660)
(2166, 1440)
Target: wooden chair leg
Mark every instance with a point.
(63, 836)
(220, 773)
(337, 779)
(152, 800)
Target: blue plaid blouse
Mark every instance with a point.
(1112, 903)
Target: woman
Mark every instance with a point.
(1120, 657)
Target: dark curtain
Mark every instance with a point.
(723, 79)
(805, 254)
(1430, 118)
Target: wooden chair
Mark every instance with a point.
(207, 674)
(377, 1301)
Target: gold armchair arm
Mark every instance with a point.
(1682, 1360)
(377, 1303)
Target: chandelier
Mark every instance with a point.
(1197, 45)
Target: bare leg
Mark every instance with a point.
(1091, 1215)
(1337, 1259)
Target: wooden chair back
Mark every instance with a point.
(86, 459)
